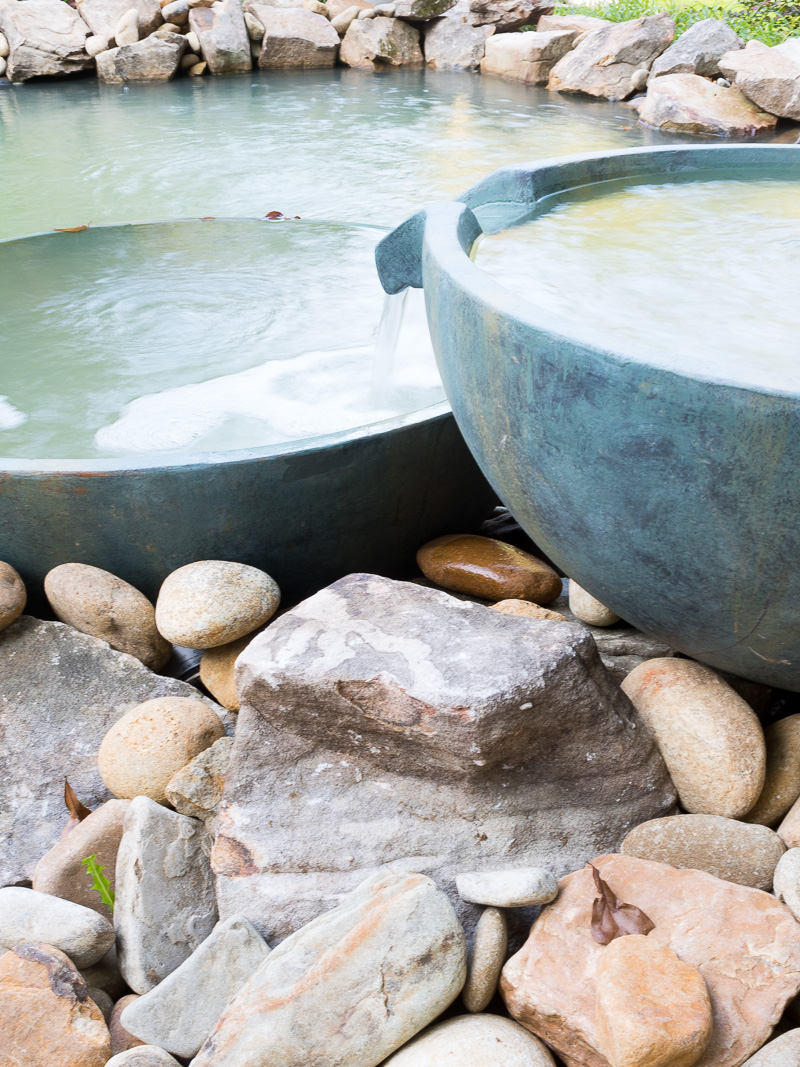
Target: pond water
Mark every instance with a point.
(105, 345)
(701, 276)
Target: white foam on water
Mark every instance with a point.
(10, 417)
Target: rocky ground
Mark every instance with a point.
(705, 82)
(471, 818)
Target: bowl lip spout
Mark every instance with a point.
(165, 460)
(452, 229)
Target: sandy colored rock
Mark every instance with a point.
(102, 16)
(153, 59)
(787, 881)
(143, 1056)
(698, 50)
(711, 740)
(745, 943)
(782, 782)
(12, 589)
(578, 23)
(121, 1040)
(483, 567)
(452, 44)
(687, 103)
(196, 790)
(509, 888)
(78, 932)
(653, 1009)
(526, 609)
(214, 602)
(527, 57)
(217, 667)
(770, 77)
(603, 63)
(98, 603)
(45, 39)
(152, 742)
(789, 829)
(222, 36)
(95, 45)
(473, 1041)
(61, 872)
(293, 38)
(486, 959)
(588, 608)
(727, 848)
(378, 43)
(47, 1018)
(126, 31)
(4, 50)
(388, 960)
(783, 1051)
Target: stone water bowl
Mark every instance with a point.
(308, 511)
(672, 498)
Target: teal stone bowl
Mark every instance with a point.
(673, 498)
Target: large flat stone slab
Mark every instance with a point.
(387, 723)
(60, 691)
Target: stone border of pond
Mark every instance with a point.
(705, 82)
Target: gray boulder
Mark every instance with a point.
(294, 37)
(165, 903)
(603, 64)
(60, 692)
(687, 103)
(45, 39)
(452, 44)
(507, 15)
(387, 723)
(78, 932)
(196, 789)
(422, 9)
(153, 59)
(375, 44)
(577, 23)
(181, 1011)
(223, 37)
(527, 57)
(769, 77)
(698, 51)
(102, 16)
(352, 986)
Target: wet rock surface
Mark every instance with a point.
(445, 706)
(484, 567)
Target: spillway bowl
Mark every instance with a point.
(668, 487)
(201, 390)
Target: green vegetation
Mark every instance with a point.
(99, 880)
(770, 21)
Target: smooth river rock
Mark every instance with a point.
(687, 103)
(217, 670)
(787, 881)
(183, 1009)
(473, 1041)
(60, 692)
(121, 1039)
(213, 602)
(12, 589)
(711, 740)
(508, 889)
(489, 948)
(379, 43)
(385, 722)
(152, 742)
(61, 873)
(153, 59)
(789, 828)
(47, 1018)
(45, 39)
(782, 781)
(483, 567)
(143, 1056)
(783, 1051)
(605, 61)
(103, 15)
(652, 1008)
(388, 960)
(78, 932)
(527, 57)
(745, 944)
(98, 603)
(527, 610)
(698, 50)
(196, 789)
(165, 903)
(588, 608)
(726, 848)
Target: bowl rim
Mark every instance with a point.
(450, 232)
(165, 460)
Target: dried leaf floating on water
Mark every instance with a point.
(77, 811)
(71, 229)
(611, 918)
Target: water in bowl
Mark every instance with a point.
(199, 336)
(700, 276)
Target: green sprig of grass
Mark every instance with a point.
(99, 881)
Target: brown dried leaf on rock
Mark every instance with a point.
(77, 811)
(612, 918)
